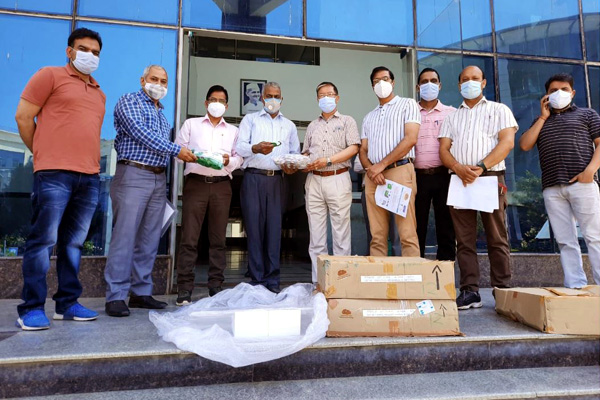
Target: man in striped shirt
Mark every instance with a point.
(389, 133)
(568, 140)
(331, 141)
(474, 141)
(432, 177)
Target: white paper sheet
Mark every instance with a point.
(481, 195)
(393, 197)
(170, 213)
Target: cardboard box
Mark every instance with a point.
(360, 317)
(347, 277)
(553, 310)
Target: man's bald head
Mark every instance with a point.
(471, 73)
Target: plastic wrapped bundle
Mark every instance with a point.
(297, 161)
(234, 328)
(209, 159)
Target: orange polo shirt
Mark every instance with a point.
(67, 135)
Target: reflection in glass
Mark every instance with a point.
(594, 73)
(271, 17)
(521, 88)
(19, 62)
(449, 67)
(462, 24)
(591, 27)
(538, 27)
(367, 21)
(52, 7)
(159, 11)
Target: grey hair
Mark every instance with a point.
(271, 84)
(149, 67)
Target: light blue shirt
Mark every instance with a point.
(260, 127)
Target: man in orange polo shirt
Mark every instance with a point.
(59, 118)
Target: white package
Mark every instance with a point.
(251, 323)
(284, 322)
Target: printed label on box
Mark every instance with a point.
(425, 307)
(391, 278)
(388, 313)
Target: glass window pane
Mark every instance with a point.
(594, 73)
(449, 67)
(591, 26)
(521, 88)
(281, 17)
(538, 27)
(159, 11)
(462, 24)
(18, 63)
(365, 21)
(53, 7)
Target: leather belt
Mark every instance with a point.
(207, 179)
(399, 163)
(156, 170)
(330, 173)
(493, 173)
(267, 172)
(432, 171)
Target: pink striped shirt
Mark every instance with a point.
(427, 149)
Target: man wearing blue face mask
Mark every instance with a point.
(264, 135)
(474, 141)
(568, 140)
(331, 141)
(432, 177)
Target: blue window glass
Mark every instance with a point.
(159, 11)
(19, 61)
(52, 7)
(449, 67)
(521, 85)
(366, 21)
(538, 27)
(594, 73)
(591, 26)
(454, 24)
(282, 18)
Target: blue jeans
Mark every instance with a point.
(63, 206)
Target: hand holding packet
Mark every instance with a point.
(209, 159)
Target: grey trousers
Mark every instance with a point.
(138, 203)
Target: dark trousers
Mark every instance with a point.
(465, 227)
(63, 206)
(199, 199)
(262, 208)
(433, 188)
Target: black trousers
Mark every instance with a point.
(433, 188)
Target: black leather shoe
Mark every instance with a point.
(214, 290)
(148, 302)
(116, 308)
(275, 289)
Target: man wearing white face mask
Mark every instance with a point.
(568, 141)
(59, 118)
(474, 141)
(331, 141)
(389, 133)
(432, 177)
(138, 191)
(206, 189)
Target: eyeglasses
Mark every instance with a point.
(330, 94)
(385, 79)
(215, 100)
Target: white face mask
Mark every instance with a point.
(327, 104)
(86, 62)
(216, 109)
(383, 89)
(560, 99)
(272, 105)
(429, 91)
(470, 89)
(155, 91)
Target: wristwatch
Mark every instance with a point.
(329, 163)
(482, 166)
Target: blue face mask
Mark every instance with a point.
(327, 104)
(272, 105)
(470, 89)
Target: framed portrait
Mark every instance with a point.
(250, 92)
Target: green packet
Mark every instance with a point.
(275, 144)
(209, 159)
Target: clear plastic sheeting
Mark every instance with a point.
(206, 326)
